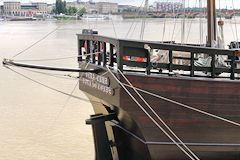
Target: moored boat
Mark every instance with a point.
(201, 110)
(166, 110)
(23, 19)
(183, 106)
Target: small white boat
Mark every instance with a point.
(50, 19)
(94, 17)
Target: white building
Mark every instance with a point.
(167, 6)
(107, 7)
(92, 7)
(18, 9)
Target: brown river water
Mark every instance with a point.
(41, 124)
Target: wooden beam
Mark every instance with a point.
(211, 14)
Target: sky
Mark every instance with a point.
(191, 3)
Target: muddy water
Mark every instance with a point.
(38, 123)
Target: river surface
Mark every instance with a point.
(41, 124)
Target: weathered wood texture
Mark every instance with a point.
(216, 97)
(133, 134)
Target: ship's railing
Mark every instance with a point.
(132, 55)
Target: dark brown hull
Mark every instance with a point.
(137, 137)
(208, 137)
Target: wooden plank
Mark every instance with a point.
(135, 64)
(136, 52)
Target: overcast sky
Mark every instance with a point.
(191, 3)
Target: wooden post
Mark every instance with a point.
(211, 14)
(93, 49)
(170, 61)
(148, 64)
(233, 66)
(111, 55)
(213, 73)
(99, 53)
(104, 54)
(80, 45)
(88, 50)
(192, 65)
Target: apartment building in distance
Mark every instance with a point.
(95, 7)
(107, 7)
(1, 10)
(17, 9)
(167, 6)
(90, 6)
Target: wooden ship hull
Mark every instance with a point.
(208, 137)
(204, 112)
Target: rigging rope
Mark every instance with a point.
(235, 21)
(44, 37)
(153, 111)
(164, 26)
(175, 22)
(190, 25)
(138, 11)
(174, 26)
(200, 23)
(183, 23)
(114, 28)
(48, 59)
(49, 87)
(55, 59)
(69, 77)
(153, 120)
(144, 20)
(52, 124)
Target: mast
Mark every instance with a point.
(183, 23)
(211, 14)
(200, 24)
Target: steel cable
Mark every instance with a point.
(149, 116)
(160, 119)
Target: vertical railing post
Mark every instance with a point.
(233, 66)
(213, 68)
(104, 54)
(88, 50)
(170, 61)
(192, 65)
(93, 49)
(148, 64)
(99, 53)
(111, 59)
(120, 53)
(80, 45)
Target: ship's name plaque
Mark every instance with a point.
(98, 82)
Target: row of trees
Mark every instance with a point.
(61, 7)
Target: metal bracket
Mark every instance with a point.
(102, 143)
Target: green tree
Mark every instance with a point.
(82, 11)
(71, 10)
(60, 7)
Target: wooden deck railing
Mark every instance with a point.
(102, 50)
